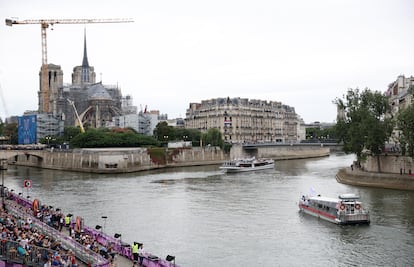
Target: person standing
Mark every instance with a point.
(135, 248)
(141, 253)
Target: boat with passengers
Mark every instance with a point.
(248, 164)
(346, 209)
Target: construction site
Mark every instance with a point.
(84, 101)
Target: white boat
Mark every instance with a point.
(346, 209)
(248, 164)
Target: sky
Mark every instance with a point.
(302, 53)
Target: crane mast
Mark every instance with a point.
(44, 24)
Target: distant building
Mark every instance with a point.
(400, 93)
(46, 125)
(97, 104)
(144, 122)
(400, 96)
(243, 120)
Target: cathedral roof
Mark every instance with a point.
(98, 92)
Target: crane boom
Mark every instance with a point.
(47, 22)
(44, 24)
(72, 103)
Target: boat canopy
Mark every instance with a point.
(348, 197)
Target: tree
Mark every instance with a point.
(10, 130)
(184, 134)
(213, 137)
(112, 138)
(364, 124)
(163, 132)
(405, 123)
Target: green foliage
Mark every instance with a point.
(405, 122)
(115, 138)
(164, 133)
(365, 125)
(213, 137)
(69, 133)
(227, 147)
(10, 129)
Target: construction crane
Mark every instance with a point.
(44, 24)
(77, 116)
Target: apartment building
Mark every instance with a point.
(241, 120)
(400, 96)
(400, 93)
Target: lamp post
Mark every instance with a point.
(48, 140)
(3, 167)
(104, 217)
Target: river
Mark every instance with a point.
(207, 218)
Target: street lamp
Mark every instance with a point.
(104, 217)
(3, 167)
(48, 140)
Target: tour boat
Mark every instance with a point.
(248, 164)
(346, 209)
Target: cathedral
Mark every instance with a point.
(96, 104)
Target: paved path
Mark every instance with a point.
(121, 261)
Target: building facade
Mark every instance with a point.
(400, 93)
(143, 122)
(400, 96)
(96, 104)
(242, 120)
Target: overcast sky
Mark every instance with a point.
(299, 52)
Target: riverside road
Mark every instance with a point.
(207, 218)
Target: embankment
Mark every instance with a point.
(123, 160)
(374, 179)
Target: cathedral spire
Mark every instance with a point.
(85, 78)
(85, 62)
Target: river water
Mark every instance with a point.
(207, 218)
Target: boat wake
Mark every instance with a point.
(174, 177)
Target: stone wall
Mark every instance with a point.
(118, 160)
(373, 179)
(280, 152)
(122, 160)
(389, 164)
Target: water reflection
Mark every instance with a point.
(208, 218)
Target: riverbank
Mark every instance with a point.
(127, 160)
(374, 179)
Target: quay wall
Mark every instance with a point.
(123, 160)
(389, 164)
(360, 177)
(280, 152)
(117, 160)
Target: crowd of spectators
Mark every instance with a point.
(22, 231)
(19, 234)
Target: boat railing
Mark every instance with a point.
(355, 217)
